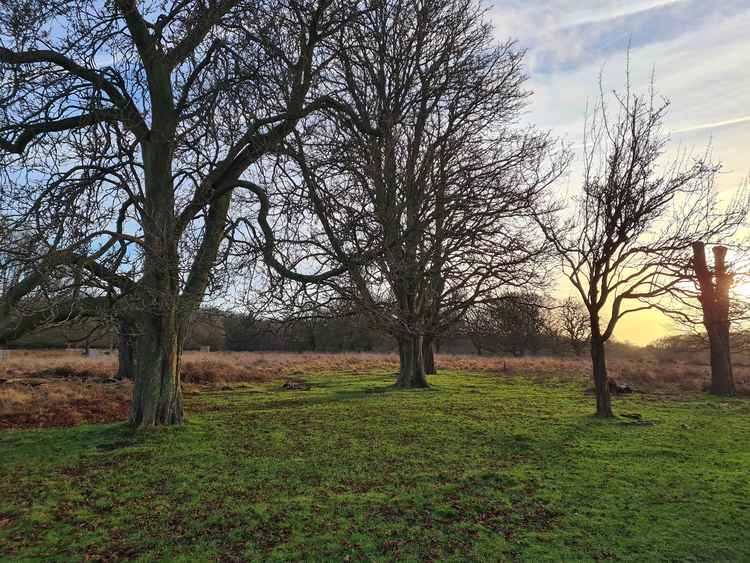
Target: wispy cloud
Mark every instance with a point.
(566, 34)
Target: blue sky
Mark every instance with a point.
(698, 50)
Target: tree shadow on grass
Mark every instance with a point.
(309, 398)
(65, 446)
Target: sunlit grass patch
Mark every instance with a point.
(474, 468)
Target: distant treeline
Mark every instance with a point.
(221, 330)
(534, 332)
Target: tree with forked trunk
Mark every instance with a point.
(127, 127)
(715, 303)
(706, 306)
(431, 170)
(628, 237)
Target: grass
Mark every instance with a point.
(476, 468)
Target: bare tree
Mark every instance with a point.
(430, 173)
(477, 326)
(517, 322)
(125, 130)
(573, 324)
(628, 238)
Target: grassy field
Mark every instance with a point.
(476, 468)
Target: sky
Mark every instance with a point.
(698, 52)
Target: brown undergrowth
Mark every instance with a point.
(43, 388)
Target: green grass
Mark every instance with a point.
(474, 469)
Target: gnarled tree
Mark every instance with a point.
(125, 129)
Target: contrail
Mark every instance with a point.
(714, 125)
(631, 10)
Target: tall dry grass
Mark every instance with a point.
(62, 403)
(42, 363)
(197, 367)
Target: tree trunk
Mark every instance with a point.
(477, 345)
(601, 385)
(157, 393)
(714, 299)
(428, 354)
(722, 377)
(411, 369)
(126, 352)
